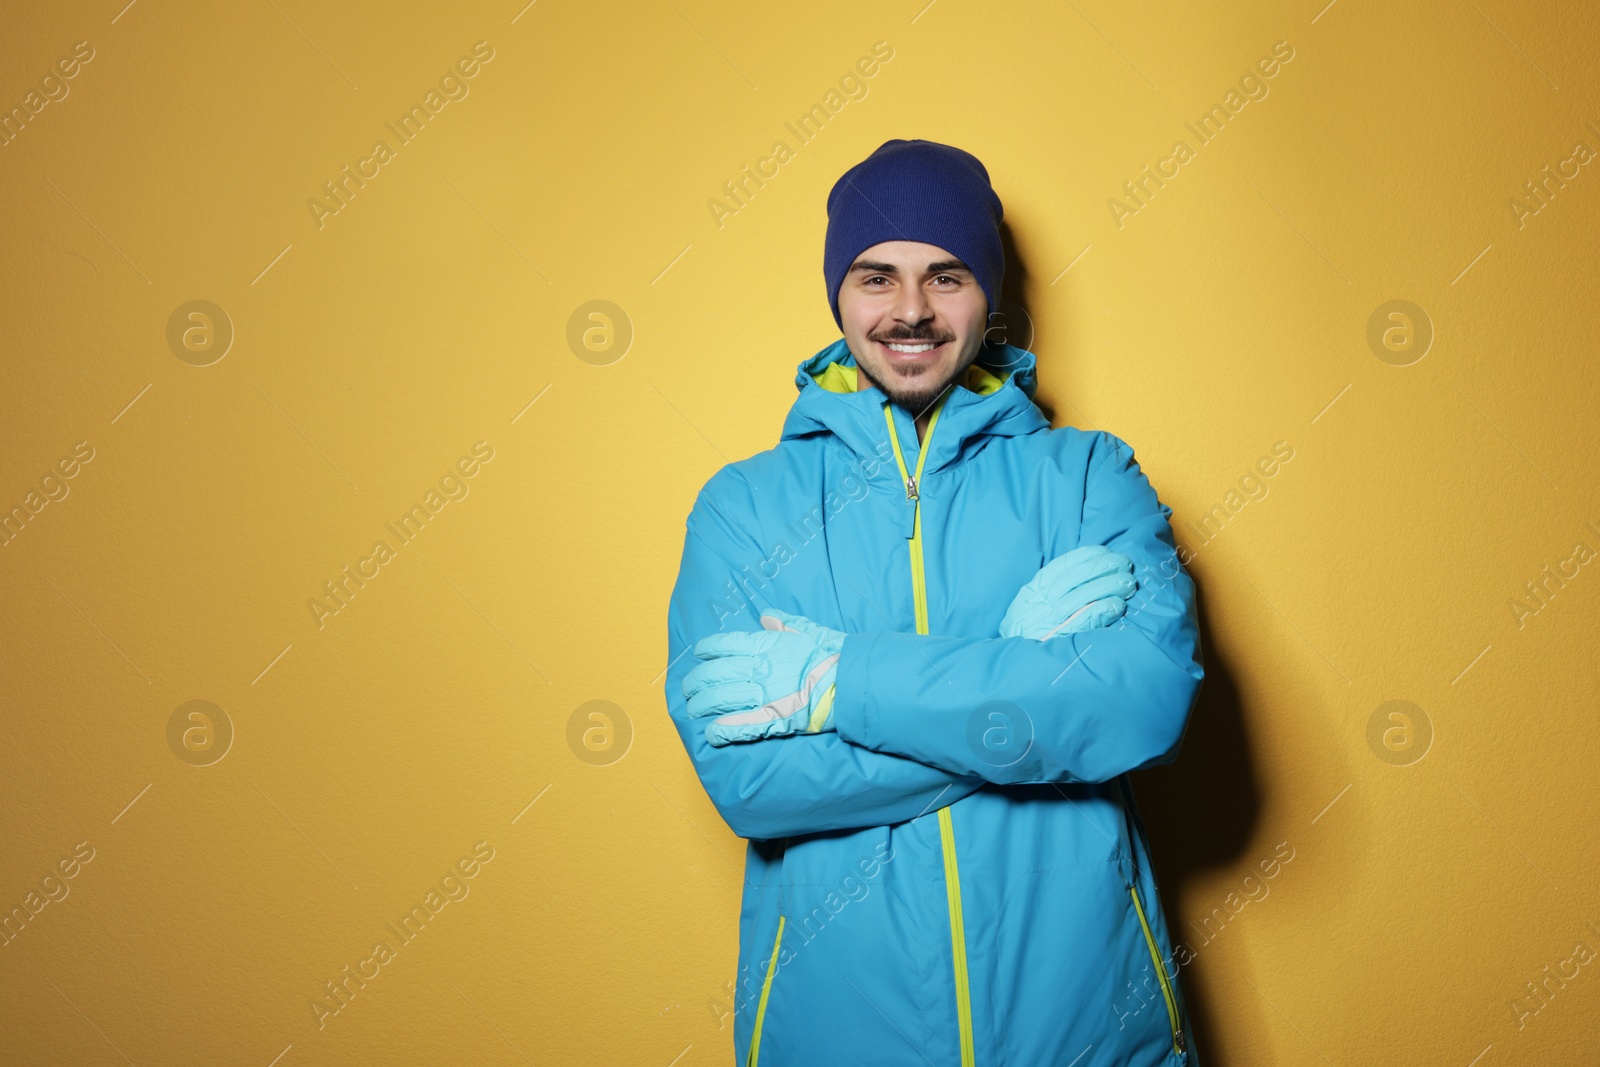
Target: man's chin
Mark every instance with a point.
(917, 404)
(913, 386)
(915, 394)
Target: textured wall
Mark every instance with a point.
(225, 387)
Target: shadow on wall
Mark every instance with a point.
(1201, 811)
(1014, 322)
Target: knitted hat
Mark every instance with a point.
(915, 191)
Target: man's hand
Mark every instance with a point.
(770, 683)
(1086, 588)
(779, 680)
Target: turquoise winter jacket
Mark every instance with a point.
(957, 876)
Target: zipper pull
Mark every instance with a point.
(911, 488)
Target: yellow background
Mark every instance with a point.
(370, 353)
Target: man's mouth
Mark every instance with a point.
(912, 348)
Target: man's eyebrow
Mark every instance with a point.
(941, 267)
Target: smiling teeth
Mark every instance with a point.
(911, 348)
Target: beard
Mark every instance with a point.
(917, 398)
(921, 392)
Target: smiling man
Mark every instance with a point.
(914, 315)
(931, 718)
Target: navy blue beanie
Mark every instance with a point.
(915, 191)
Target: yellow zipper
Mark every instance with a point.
(947, 832)
(919, 589)
(958, 936)
(766, 991)
(1161, 975)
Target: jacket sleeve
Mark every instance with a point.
(786, 786)
(1081, 707)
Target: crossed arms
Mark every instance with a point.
(1094, 704)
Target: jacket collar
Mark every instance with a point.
(994, 397)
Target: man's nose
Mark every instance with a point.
(911, 306)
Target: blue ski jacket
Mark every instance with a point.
(958, 876)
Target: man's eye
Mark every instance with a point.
(947, 279)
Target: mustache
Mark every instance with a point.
(904, 336)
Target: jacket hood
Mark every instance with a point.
(994, 397)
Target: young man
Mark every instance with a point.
(930, 636)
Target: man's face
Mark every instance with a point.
(914, 318)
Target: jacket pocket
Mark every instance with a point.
(766, 991)
(1161, 974)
